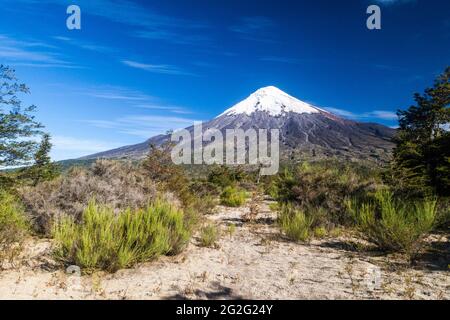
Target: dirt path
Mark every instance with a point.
(253, 263)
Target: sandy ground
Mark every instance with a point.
(253, 263)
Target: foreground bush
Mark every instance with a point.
(108, 241)
(393, 225)
(324, 185)
(119, 185)
(294, 223)
(233, 197)
(13, 227)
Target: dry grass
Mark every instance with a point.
(117, 184)
(209, 235)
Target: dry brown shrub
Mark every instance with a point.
(114, 183)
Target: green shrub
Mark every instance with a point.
(320, 232)
(226, 176)
(108, 241)
(209, 235)
(233, 197)
(394, 225)
(13, 227)
(274, 206)
(294, 223)
(325, 185)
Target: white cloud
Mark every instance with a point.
(65, 147)
(280, 59)
(135, 98)
(144, 126)
(116, 93)
(391, 2)
(376, 114)
(341, 112)
(24, 53)
(156, 68)
(385, 115)
(174, 109)
(85, 45)
(174, 37)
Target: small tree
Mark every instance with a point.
(18, 126)
(159, 167)
(43, 168)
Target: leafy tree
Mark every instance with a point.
(18, 126)
(422, 155)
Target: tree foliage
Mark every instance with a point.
(422, 156)
(43, 169)
(18, 126)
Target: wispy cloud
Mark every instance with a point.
(85, 45)
(392, 2)
(122, 11)
(376, 114)
(255, 28)
(132, 98)
(116, 93)
(280, 59)
(174, 37)
(170, 108)
(143, 126)
(384, 115)
(65, 143)
(24, 53)
(156, 68)
(150, 23)
(66, 147)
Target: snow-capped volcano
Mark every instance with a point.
(273, 101)
(305, 130)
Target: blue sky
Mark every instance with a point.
(140, 68)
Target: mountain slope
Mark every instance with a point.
(304, 129)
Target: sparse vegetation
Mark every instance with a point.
(320, 232)
(226, 176)
(119, 185)
(198, 196)
(274, 206)
(393, 225)
(209, 235)
(13, 227)
(233, 197)
(115, 214)
(231, 229)
(108, 241)
(323, 186)
(294, 223)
